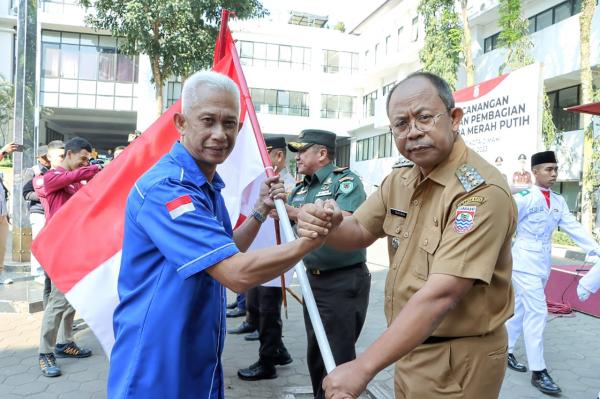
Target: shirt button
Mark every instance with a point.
(388, 298)
(416, 202)
(435, 222)
(394, 266)
(405, 235)
(426, 242)
(397, 229)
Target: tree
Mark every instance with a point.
(587, 96)
(443, 38)
(177, 35)
(466, 49)
(7, 103)
(340, 26)
(514, 37)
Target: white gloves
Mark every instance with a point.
(589, 283)
(583, 293)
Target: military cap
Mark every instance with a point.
(42, 151)
(308, 137)
(543, 157)
(275, 142)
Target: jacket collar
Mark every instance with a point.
(191, 170)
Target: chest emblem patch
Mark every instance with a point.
(346, 186)
(465, 216)
(180, 206)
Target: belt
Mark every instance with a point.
(437, 340)
(319, 272)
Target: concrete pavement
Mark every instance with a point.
(572, 353)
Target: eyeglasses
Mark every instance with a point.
(423, 123)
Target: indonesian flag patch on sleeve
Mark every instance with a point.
(179, 206)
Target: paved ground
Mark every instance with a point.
(572, 348)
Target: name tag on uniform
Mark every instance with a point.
(323, 193)
(398, 212)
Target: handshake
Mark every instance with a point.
(318, 219)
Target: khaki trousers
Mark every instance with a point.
(3, 238)
(465, 368)
(57, 325)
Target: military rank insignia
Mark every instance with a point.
(465, 217)
(469, 177)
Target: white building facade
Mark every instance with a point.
(301, 73)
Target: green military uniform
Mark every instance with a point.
(340, 280)
(345, 187)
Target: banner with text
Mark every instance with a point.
(502, 121)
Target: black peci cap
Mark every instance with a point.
(543, 157)
(275, 142)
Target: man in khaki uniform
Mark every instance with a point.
(449, 219)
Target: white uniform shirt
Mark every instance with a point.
(536, 221)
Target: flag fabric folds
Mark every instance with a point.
(80, 248)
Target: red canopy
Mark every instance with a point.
(592, 108)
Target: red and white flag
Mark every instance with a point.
(80, 248)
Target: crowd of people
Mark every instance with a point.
(468, 259)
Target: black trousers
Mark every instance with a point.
(263, 306)
(342, 297)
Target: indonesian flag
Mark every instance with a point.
(80, 248)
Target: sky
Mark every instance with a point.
(351, 12)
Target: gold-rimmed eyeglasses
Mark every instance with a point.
(423, 123)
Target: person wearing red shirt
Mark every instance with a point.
(54, 189)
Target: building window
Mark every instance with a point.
(336, 107)
(342, 153)
(369, 104)
(554, 15)
(374, 147)
(387, 88)
(280, 102)
(376, 53)
(274, 56)
(58, 6)
(559, 99)
(86, 71)
(388, 44)
(339, 61)
(491, 43)
(399, 38)
(415, 29)
(173, 92)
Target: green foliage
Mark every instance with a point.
(178, 35)
(340, 26)
(549, 132)
(443, 39)
(7, 103)
(514, 35)
(561, 238)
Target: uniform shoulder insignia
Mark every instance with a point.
(555, 192)
(340, 169)
(403, 163)
(349, 177)
(469, 177)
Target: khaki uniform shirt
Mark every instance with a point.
(345, 187)
(439, 224)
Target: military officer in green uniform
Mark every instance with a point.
(340, 280)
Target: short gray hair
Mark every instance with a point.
(442, 87)
(190, 93)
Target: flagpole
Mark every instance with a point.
(288, 233)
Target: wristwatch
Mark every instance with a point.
(259, 216)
